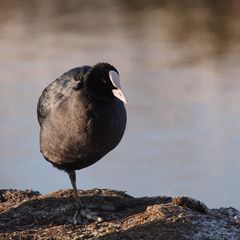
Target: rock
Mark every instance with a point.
(30, 215)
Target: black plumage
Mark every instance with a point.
(82, 117)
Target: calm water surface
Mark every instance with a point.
(179, 65)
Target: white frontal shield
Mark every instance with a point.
(114, 77)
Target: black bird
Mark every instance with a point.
(82, 117)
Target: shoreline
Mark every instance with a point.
(31, 215)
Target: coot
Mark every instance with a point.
(82, 117)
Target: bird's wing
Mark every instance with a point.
(59, 90)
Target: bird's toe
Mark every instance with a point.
(83, 215)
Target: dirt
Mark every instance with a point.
(30, 215)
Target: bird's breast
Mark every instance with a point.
(78, 130)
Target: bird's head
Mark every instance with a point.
(103, 81)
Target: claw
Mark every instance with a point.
(83, 214)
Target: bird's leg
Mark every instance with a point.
(82, 211)
(72, 176)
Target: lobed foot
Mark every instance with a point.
(83, 214)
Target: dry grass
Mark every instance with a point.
(30, 215)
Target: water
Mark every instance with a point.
(179, 65)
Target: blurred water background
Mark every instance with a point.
(179, 63)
